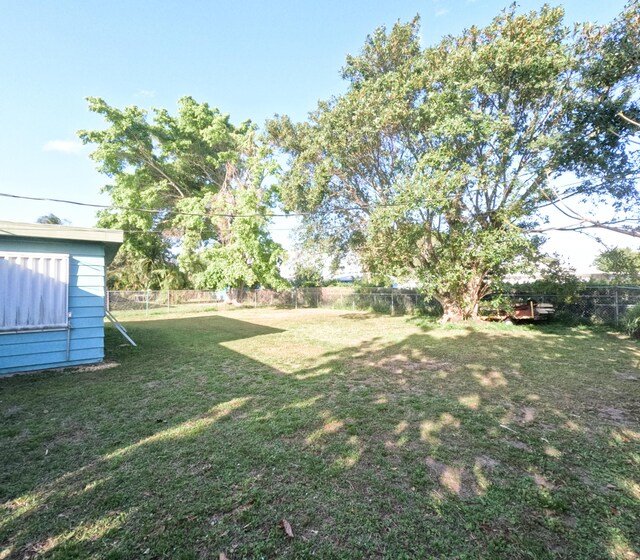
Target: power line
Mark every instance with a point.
(145, 231)
(194, 214)
(362, 207)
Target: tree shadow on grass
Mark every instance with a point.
(537, 434)
(447, 443)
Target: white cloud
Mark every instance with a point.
(442, 12)
(64, 146)
(145, 93)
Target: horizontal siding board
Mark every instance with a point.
(87, 322)
(85, 301)
(86, 265)
(50, 346)
(89, 332)
(9, 339)
(86, 312)
(75, 291)
(79, 269)
(45, 359)
(38, 349)
(35, 337)
(79, 259)
(93, 332)
(87, 282)
(86, 361)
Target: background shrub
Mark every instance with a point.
(632, 321)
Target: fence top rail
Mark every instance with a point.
(611, 287)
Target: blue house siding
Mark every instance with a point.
(29, 351)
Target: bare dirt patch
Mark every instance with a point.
(97, 367)
(517, 444)
(613, 414)
(357, 316)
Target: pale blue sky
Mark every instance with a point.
(251, 59)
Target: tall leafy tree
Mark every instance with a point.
(621, 261)
(437, 163)
(51, 219)
(611, 72)
(192, 191)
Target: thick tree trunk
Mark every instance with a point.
(464, 304)
(452, 311)
(236, 295)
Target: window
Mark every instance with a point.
(34, 290)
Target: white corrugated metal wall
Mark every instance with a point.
(34, 291)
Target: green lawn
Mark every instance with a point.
(373, 436)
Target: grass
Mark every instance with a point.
(373, 436)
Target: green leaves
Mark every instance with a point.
(198, 171)
(436, 161)
(623, 262)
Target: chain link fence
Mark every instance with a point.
(381, 300)
(606, 305)
(597, 304)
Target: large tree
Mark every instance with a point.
(191, 190)
(610, 69)
(624, 263)
(437, 163)
(51, 219)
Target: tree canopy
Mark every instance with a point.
(438, 163)
(51, 219)
(624, 263)
(190, 191)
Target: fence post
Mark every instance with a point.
(392, 306)
(107, 301)
(255, 299)
(616, 303)
(169, 299)
(147, 303)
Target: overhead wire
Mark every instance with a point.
(193, 214)
(257, 214)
